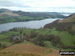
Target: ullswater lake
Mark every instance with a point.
(35, 24)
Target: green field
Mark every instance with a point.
(50, 38)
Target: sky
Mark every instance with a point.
(39, 5)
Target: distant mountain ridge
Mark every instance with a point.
(33, 14)
(6, 12)
(7, 16)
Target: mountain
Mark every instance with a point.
(67, 24)
(7, 16)
(65, 29)
(40, 14)
(4, 10)
(31, 14)
(6, 13)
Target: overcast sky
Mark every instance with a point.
(39, 5)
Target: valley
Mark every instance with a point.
(54, 36)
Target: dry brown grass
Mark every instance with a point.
(28, 50)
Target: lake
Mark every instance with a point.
(28, 24)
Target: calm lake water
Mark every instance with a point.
(29, 24)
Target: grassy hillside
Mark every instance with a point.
(27, 49)
(31, 42)
(42, 37)
(67, 24)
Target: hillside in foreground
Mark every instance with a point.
(28, 50)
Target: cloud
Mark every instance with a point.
(39, 5)
(11, 3)
(53, 3)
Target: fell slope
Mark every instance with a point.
(67, 24)
(28, 50)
